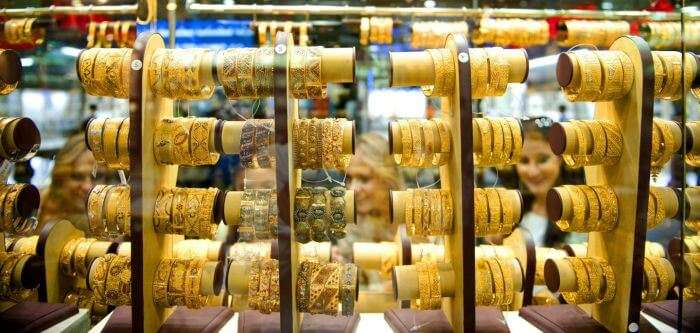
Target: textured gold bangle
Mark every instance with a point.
(193, 278)
(123, 145)
(418, 211)
(417, 143)
(181, 141)
(163, 141)
(447, 210)
(609, 211)
(498, 71)
(302, 289)
(199, 141)
(408, 212)
(507, 211)
(160, 282)
(95, 141)
(163, 213)
(65, 260)
(110, 133)
(651, 290)
(79, 256)
(423, 285)
(111, 209)
(498, 281)
(98, 276)
(506, 267)
(478, 60)
(593, 215)
(404, 158)
(494, 203)
(484, 283)
(481, 213)
(436, 226)
(118, 281)
(580, 207)
(178, 219)
(445, 142)
(176, 282)
(484, 128)
(297, 73)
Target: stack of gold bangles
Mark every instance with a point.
(185, 141)
(74, 260)
(21, 31)
(177, 282)
(109, 210)
(322, 287)
(8, 263)
(257, 144)
(104, 34)
(110, 279)
(11, 219)
(319, 214)
(604, 76)
(305, 80)
(594, 208)
(597, 142)
(597, 33)
(666, 35)
(506, 32)
(595, 281)
(108, 139)
(656, 212)
(245, 72)
(501, 141)
(496, 211)
(85, 299)
(10, 149)
(490, 72)
(428, 212)
(264, 286)
(429, 288)
(424, 143)
(444, 73)
(426, 35)
(668, 75)
(105, 72)
(318, 143)
(180, 73)
(258, 215)
(494, 281)
(659, 278)
(186, 211)
(26, 245)
(663, 144)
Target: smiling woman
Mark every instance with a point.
(539, 170)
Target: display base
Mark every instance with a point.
(667, 312)
(329, 324)
(35, 316)
(489, 319)
(183, 320)
(250, 321)
(564, 318)
(119, 320)
(409, 320)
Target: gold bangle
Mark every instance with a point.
(181, 141)
(408, 212)
(498, 281)
(507, 211)
(178, 218)
(123, 216)
(193, 278)
(593, 216)
(418, 211)
(609, 211)
(404, 158)
(123, 145)
(161, 281)
(447, 210)
(494, 202)
(484, 128)
(507, 271)
(79, 256)
(496, 154)
(112, 202)
(478, 59)
(436, 226)
(445, 142)
(484, 283)
(98, 275)
(423, 285)
(65, 261)
(118, 281)
(176, 282)
(481, 213)
(163, 141)
(417, 143)
(95, 130)
(498, 69)
(162, 212)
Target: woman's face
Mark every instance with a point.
(371, 193)
(538, 167)
(77, 185)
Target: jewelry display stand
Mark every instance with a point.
(623, 247)
(457, 176)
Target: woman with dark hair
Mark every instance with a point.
(539, 170)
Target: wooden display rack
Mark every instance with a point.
(416, 69)
(623, 247)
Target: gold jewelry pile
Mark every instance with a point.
(9, 148)
(319, 214)
(22, 31)
(506, 32)
(597, 33)
(663, 144)
(594, 208)
(428, 212)
(179, 73)
(107, 34)
(267, 31)
(11, 218)
(108, 139)
(177, 282)
(376, 30)
(186, 211)
(258, 215)
(659, 278)
(109, 211)
(305, 73)
(496, 211)
(318, 143)
(245, 72)
(605, 148)
(9, 262)
(110, 279)
(603, 76)
(425, 142)
(74, 260)
(322, 287)
(26, 245)
(105, 72)
(258, 144)
(432, 35)
(185, 141)
(489, 72)
(494, 281)
(668, 71)
(501, 141)
(595, 281)
(264, 286)
(85, 299)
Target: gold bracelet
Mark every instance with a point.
(651, 290)
(79, 256)
(193, 297)
(160, 282)
(484, 283)
(498, 281)
(94, 134)
(478, 60)
(498, 71)
(417, 143)
(110, 132)
(181, 141)
(507, 210)
(99, 273)
(418, 211)
(111, 209)
(494, 202)
(123, 145)
(423, 285)
(593, 218)
(176, 282)
(404, 158)
(481, 213)
(484, 128)
(498, 138)
(65, 261)
(118, 282)
(408, 212)
(445, 142)
(507, 271)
